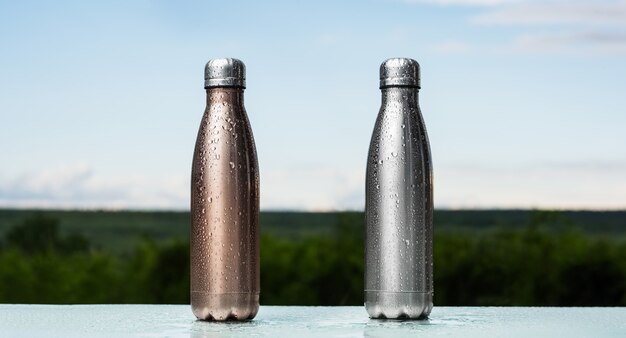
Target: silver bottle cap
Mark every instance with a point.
(399, 72)
(225, 72)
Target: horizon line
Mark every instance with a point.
(274, 210)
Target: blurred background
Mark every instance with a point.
(523, 101)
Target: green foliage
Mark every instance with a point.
(535, 266)
(40, 233)
(315, 270)
(543, 263)
(40, 266)
(158, 274)
(120, 232)
(58, 278)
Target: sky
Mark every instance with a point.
(524, 101)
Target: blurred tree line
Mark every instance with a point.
(536, 265)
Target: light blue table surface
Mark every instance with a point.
(301, 321)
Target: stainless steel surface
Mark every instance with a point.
(399, 202)
(225, 210)
(400, 72)
(226, 72)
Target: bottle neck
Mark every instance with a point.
(232, 95)
(401, 95)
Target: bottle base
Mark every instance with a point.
(224, 306)
(398, 305)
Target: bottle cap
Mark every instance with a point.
(225, 72)
(399, 72)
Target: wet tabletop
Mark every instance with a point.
(301, 321)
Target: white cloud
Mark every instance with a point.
(572, 42)
(464, 2)
(567, 185)
(314, 188)
(572, 27)
(560, 185)
(561, 12)
(78, 186)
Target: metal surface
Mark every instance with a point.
(225, 211)
(225, 72)
(399, 204)
(400, 72)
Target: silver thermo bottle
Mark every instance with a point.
(399, 201)
(225, 202)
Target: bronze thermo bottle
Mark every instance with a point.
(399, 201)
(225, 201)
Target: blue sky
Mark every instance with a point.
(524, 101)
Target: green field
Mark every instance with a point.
(120, 231)
(481, 257)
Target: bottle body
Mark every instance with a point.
(225, 211)
(398, 210)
